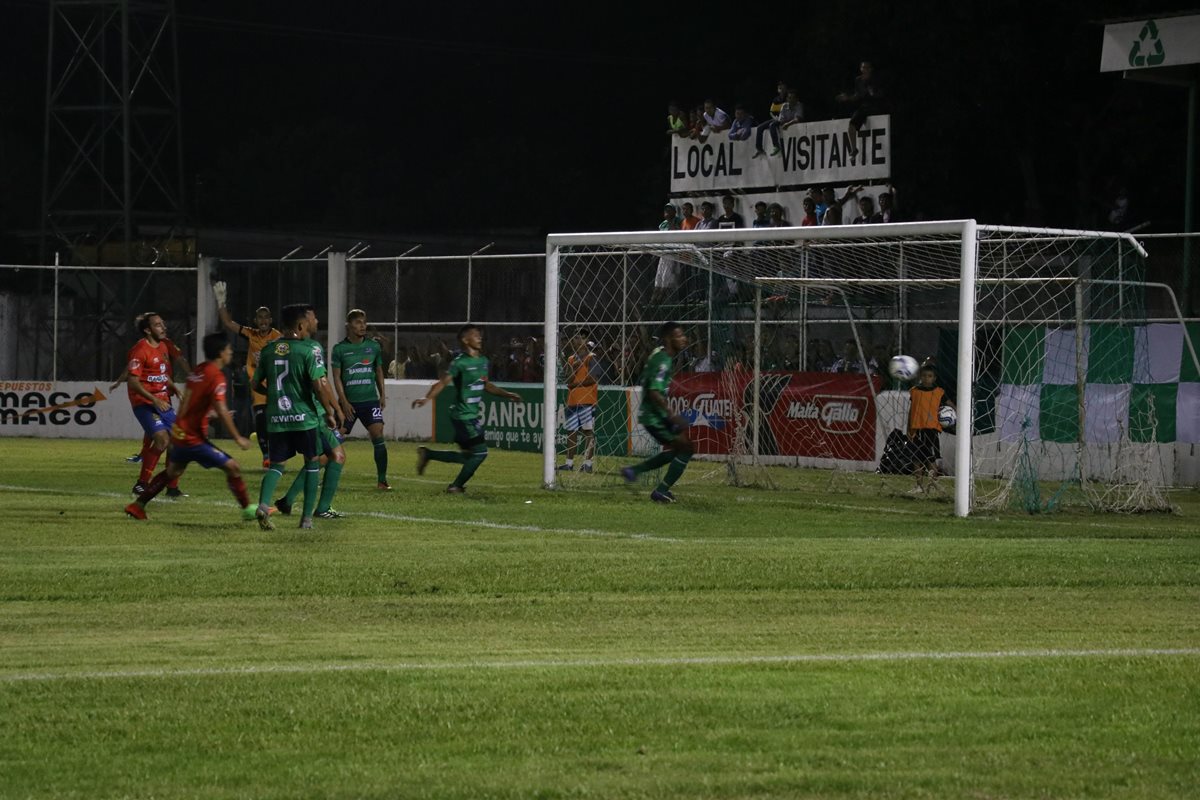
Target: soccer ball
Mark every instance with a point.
(947, 417)
(902, 368)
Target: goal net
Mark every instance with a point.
(1040, 338)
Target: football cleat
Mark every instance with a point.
(662, 497)
(138, 488)
(422, 459)
(383, 486)
(306, 523)
(283, 506)
(263, 515)
(628, 474)
(135, 510)
(136, 458)
(174, 492)
(452, 489)
(566, 467)
(586, 468)
(330, 514)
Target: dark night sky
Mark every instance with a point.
(394, 117)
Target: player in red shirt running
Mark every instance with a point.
(205, 393)
(150, 389)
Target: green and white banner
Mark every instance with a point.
(1137, 381)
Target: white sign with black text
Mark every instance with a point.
(809, 153)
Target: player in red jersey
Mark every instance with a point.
(181, 365)
(150, 389)
(204, 395)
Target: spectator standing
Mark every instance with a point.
(706, 223)
(760, 216)
(775, 215)
(583, 378)
(666, 277)
(730, 219)
(818, 197)
(851, 362)
(689, 218)
(867, 213)
(810, 213)
(866, 100)
(887, 206)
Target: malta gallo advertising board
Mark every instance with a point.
(803, 414)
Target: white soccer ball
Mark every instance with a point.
(903, 368)
(947, 417)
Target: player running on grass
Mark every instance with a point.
(468, 372)
(668, 429)
(291, 373)
(205, 393)
(257, 338)
(148, 377)
(333, 460)
(357, 367)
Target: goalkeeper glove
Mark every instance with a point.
(218, 288)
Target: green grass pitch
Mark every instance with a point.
(813, 642)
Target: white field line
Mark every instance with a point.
(470, 523)
(586, 663)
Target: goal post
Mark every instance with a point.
(994, 307)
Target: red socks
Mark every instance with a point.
(238, 487)
(149, 460)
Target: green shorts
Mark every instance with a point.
(662, 430)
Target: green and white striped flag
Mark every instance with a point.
(1138, 380)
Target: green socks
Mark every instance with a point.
(471, 463)
(380, 446)
(654, 462)
(269, 482)
(312, 478)
(678, 465)
(333, 474)
(451, 456)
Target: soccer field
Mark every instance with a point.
(800, 643)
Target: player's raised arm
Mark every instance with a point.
(227, 321)
(492, 388)
(433, 392)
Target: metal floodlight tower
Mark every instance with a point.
(112, 157)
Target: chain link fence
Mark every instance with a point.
(416, 304)
(77, 323)
(61, 323)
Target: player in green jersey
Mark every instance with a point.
(669, 430)
(291, 372)
(468, 373)
(357, 367)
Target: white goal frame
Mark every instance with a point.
(967, 231)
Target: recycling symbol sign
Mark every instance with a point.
(1147, 50)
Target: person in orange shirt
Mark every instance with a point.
(689, 220)
(923, 426)
(583, 393)
(258, 337)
